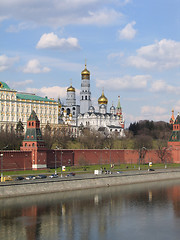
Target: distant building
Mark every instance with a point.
(17, 106)
(86, 116)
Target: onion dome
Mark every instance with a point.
(70, 115)
(91, 109)
(71, 89)
(85, 73)
(102, 99)
(112, 108)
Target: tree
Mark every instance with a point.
(47, 136)
(20, 128)
(162, 151)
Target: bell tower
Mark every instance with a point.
(85, 94)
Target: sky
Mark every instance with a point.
(131, 47)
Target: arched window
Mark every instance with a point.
(68, 111)
(82, 97)
(85, 97)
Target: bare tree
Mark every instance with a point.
(162, 151)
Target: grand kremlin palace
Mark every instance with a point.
(16, 106)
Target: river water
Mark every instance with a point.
(140, 211)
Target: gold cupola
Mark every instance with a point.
(85, 73)
(102, 99)
(71, 89)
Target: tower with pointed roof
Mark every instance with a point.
(172, 119)
(174, 141)
(175, 136)
(33, 142)
(85, 94)
(119, 113)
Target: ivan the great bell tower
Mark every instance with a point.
(85, 94)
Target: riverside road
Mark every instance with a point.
(83, 176)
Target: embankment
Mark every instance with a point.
(78, 183)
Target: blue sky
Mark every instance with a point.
(132, 48)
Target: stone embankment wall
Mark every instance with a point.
(60, 185)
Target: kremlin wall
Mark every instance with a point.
(34, 154)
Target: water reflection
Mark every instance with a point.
(127, 212)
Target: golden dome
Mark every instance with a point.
(85, 71)
(70, 115)
(71, 89)
(102, 99)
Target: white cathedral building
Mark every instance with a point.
(84, 115)
(16, 106)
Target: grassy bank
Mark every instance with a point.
(91, 168)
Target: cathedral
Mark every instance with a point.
(84, 115)
(16, 106)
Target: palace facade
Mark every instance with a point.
(17, 106)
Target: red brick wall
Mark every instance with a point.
(175, 149)
(21, 160)
(16, 160)
(106, 156)
(67, 158)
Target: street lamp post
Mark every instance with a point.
(55, 162)
(61, 162)
(2, 179)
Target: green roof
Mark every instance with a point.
(33, 97)
(175, 136)
(33, 116)
(3, 85)
(177, 121)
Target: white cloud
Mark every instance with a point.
(162, 86)
(101, 17)
(128, 32)
(20, 27)
(7, 62)
(51, 40)
(161, 55)
(125, 82)
(176, 106)
(34, 66)
(51, 92)
(151, 110)
(22, 83)
(116, 55)
(61, 13)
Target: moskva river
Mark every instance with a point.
(139, 211)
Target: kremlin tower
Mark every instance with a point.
(85, 94)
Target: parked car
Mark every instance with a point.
(70, 174)
(8, 178)
(53, 176)
(30, 177)
(41, 176)
(19, 178)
